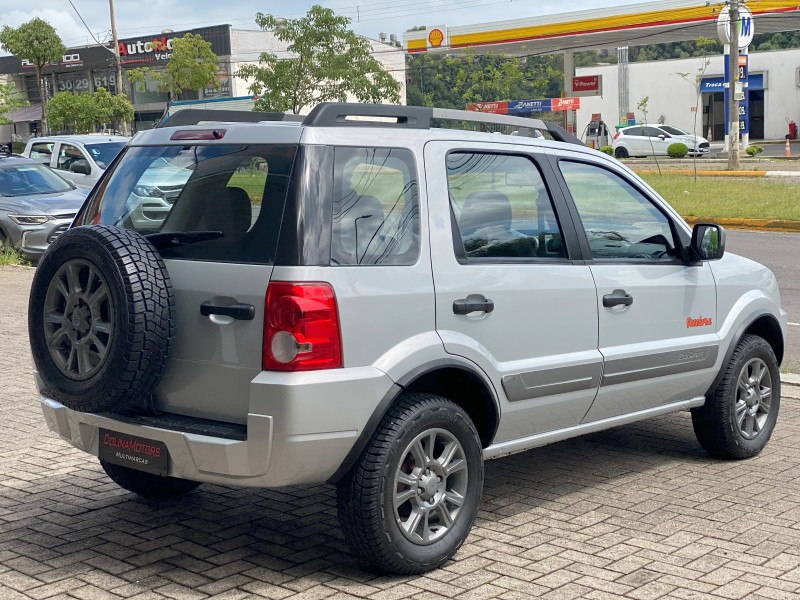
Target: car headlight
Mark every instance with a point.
(147, 191)
(29, 219)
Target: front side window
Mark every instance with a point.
(216, 203)
(375, 207)
(654, 132)
(502, 207)
(619, 221)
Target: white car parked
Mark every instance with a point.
(80, 159)
(650, 140)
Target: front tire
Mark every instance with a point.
(739, 416)
(408, 504)
(147, 484)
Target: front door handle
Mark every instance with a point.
(472, 303)
(616, 298)
(242, 312)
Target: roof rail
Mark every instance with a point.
(333, 114)
(194, 116)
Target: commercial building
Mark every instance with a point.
(688, 94)
(86, 68)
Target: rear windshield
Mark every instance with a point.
(223, 202)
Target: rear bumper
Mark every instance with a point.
(299, 430)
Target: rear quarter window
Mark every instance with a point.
(375, 207)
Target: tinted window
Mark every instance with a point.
(235, 194)
(103, 154)
(673, 130)
(633, 131)
(375, 207)
(619, 221)
(502, 207)
(654, 132)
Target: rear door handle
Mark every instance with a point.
(242, 312)
(616, 298)
(472, 303)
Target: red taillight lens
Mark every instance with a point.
(616, 135)
(301, 327)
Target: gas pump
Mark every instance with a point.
(596, 133)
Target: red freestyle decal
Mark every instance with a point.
(698, 322)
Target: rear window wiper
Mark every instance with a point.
(169, 239)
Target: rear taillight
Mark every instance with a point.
(301, 327)
(616, 135)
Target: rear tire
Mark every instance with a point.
(409, 502)
(739, 416)
(621, 153)
(147, 484)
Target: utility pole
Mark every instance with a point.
(117, 59)
(733, 80)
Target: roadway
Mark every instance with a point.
(779, 252)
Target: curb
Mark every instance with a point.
(704, 173)
(757, 224)
(790, 379)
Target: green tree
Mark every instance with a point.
(82, 113)
(36, 41)
(455, 81)
(10, 100)
(111, 109)
(192, 67)
(327, 62)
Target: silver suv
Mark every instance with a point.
(383, 305)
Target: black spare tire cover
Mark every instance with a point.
(101, 319)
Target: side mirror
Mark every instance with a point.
(80, 166)
(662, 137)
(708, 241)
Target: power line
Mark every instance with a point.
(84, 22)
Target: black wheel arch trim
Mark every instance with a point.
(735, 340)
(394, 392)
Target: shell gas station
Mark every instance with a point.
(687, 93)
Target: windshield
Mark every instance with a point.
(104, 153)
(673, 130)
(30, 180)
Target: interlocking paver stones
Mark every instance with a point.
(635, 512)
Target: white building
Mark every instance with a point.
(688, 94)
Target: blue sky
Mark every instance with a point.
(146, 17)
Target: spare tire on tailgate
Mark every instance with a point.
(101, 319)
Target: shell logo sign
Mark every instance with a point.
(437, 37)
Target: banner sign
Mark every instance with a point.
(526, 106)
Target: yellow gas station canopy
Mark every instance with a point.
(629, 25)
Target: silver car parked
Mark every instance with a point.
(36, 205)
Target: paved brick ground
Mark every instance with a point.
(638, 512)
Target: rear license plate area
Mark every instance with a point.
(133, 451)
